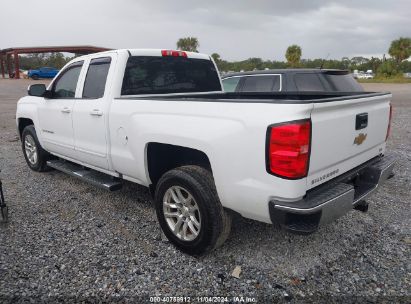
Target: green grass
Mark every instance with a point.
(386, 80)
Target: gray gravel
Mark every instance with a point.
(69, 241)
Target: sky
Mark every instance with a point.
(235, 29)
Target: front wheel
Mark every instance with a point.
(189, 211)
(36, 157)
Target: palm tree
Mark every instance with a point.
(400, 49)
(189, 44)
(293, 55)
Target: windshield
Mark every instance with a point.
(164, 75)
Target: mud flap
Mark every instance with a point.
(4, 210)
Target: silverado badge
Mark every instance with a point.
(360, 139)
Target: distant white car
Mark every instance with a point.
(365, 76)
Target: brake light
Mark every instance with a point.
(288, 149)
(172, 53)
(389, 124)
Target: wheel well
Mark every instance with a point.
(24, 122)
(164, 157)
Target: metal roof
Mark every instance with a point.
(80, 49)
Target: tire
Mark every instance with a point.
(35, 77)
(37, 160)
(213, 222)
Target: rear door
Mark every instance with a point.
(55, 113)
(90, 113)
(345, 134)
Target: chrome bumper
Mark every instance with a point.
(333, 199)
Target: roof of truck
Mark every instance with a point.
(148, 52)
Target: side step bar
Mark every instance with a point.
(95, 178)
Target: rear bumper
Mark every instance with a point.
(333, 199)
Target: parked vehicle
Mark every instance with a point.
(365, 76)
(291, 80)
(45, 72)
(159, 118)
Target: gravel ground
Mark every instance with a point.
(69, 241)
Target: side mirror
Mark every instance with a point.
(37, 90)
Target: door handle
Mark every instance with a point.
(96, 112)
(66, 110)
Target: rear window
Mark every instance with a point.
(343, 83)
(163, 75)
(308, 82)
(261, 83)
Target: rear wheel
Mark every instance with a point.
(189, 211)
(35, 76)
(36, 157)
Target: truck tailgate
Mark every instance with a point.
(345, 134)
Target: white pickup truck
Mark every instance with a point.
(159, 118)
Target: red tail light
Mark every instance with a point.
(288, 149)
(389, 124)
(173, 53)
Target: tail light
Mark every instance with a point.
(389, 124)
(288, 149)
(172, 53)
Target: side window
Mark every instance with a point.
(308, 82)
(95, 82)
(230, 84)
(66, 84)
(263, 83)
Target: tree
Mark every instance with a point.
(189, 44)
(346, 62)
(387, 69)
(359, 60)
(374, 63)
(293, 55)
(255, 64)
(35, 61)
(56, 60)
(216, 57)
(400, 49)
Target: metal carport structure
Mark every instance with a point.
(6, 55)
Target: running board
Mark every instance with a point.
(93, 177)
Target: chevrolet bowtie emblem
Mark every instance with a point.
(360, 139)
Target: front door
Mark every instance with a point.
(90, 115)
(56, 113)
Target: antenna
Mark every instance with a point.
(322, 63)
